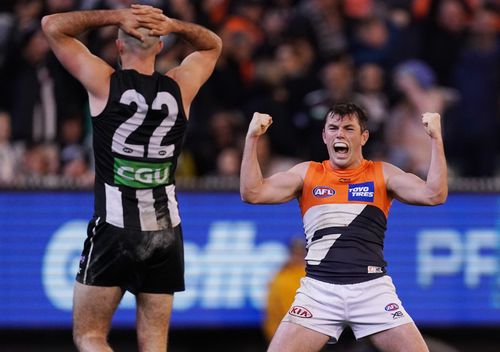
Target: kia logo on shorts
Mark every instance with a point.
(391, 307)
(323, 191)
(300, 312)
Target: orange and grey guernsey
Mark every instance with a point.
(345, 217)
(137, 140)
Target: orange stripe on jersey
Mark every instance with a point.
(363, 185)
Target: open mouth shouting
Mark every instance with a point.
(340, 148)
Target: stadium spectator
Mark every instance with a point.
(271, 161)
(370, 94)
(444, 35)
(323, 21)
(223, 130)
(337, 76)
(228, 163)
(40, 160)
(283, 286)
(371, 42)
(477, 79)
(417, 83)
(8, 155)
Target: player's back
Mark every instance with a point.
(137, 139)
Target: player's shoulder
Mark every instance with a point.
(301, 168)
(173, 73)
(389, 170)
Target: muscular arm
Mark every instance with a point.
(197, 67)
(409, 188)
(62, 30)
(254, 188)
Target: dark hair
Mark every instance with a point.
(348, 109)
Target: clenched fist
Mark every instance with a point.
(432, 124)
(259, 124)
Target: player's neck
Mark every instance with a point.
(350, 165)
(145, 66)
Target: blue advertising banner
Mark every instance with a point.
(445, 260)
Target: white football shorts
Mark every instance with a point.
(367, 307)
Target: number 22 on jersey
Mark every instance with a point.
(154, 148)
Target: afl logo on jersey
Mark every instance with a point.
(391, 307)
(323, 191)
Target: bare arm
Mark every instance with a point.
(62, 30)
(254, 188)
(409, 188)
(197, 67)
(423, 99)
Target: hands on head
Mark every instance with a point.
(147, 17)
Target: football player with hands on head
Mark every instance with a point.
(139, 119)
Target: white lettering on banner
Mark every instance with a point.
(60, 263)
(227, 272)
(232, 267)
(461, 255)
(362, 191)
(362, 194)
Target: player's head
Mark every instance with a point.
(342, 110)
(344, 134)
(127, 44)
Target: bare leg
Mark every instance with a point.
(153, 318)
(403, 338)
(292, 337)
(93, 309)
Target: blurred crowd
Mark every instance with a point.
(292, 59)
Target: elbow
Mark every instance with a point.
(248, 197)
(217, 44)
(48, 24)
(439, 197)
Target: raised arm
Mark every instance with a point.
(254, 188)
(197, 67)
(407, 187)
(62, 31)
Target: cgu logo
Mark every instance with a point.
(391, 307)
(139, 174)
(144, 175)
(300, 312)
(323, 191)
